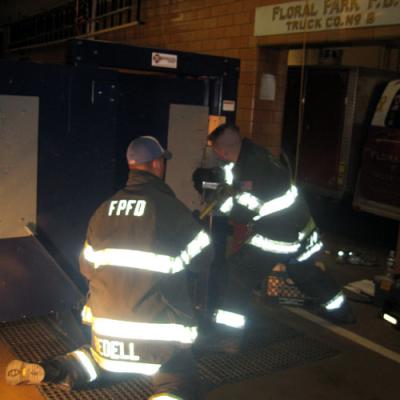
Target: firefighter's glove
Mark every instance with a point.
(211, 175)
(217, 198)
(223, 192)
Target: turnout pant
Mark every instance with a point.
(177, 376)
(250, 266)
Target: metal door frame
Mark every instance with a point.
(222, 73)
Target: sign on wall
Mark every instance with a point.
(322, 15)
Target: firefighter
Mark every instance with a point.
(142, 250)
(259, 193)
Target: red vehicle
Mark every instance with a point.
(378, 189)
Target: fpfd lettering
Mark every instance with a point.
(127, 207)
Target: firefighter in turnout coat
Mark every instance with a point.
(281, 229)
(143, 248)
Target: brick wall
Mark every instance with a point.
(225, 28)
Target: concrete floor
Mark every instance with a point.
(364, 368)
(357, 372)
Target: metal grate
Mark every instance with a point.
(134, 389)
(264, 351)
(224, 368)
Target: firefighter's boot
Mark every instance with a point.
(77, 369)
(338, 310)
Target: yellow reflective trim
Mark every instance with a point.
(390, 319)
(135, 259)
(274, 246)
(308, 253)
(87, 316)
(249, 201)
(313, 246)
(278, 204)
(335, 303)
(185, 257)
(253, 203)
(125, 366)
(86, 362)
(144, 260)
(228, 173)
(142, 330)
(227, 205)
(230, 319)
(165, 396)
(200, 242)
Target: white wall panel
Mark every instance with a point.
(18, 163)
(187, 137)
